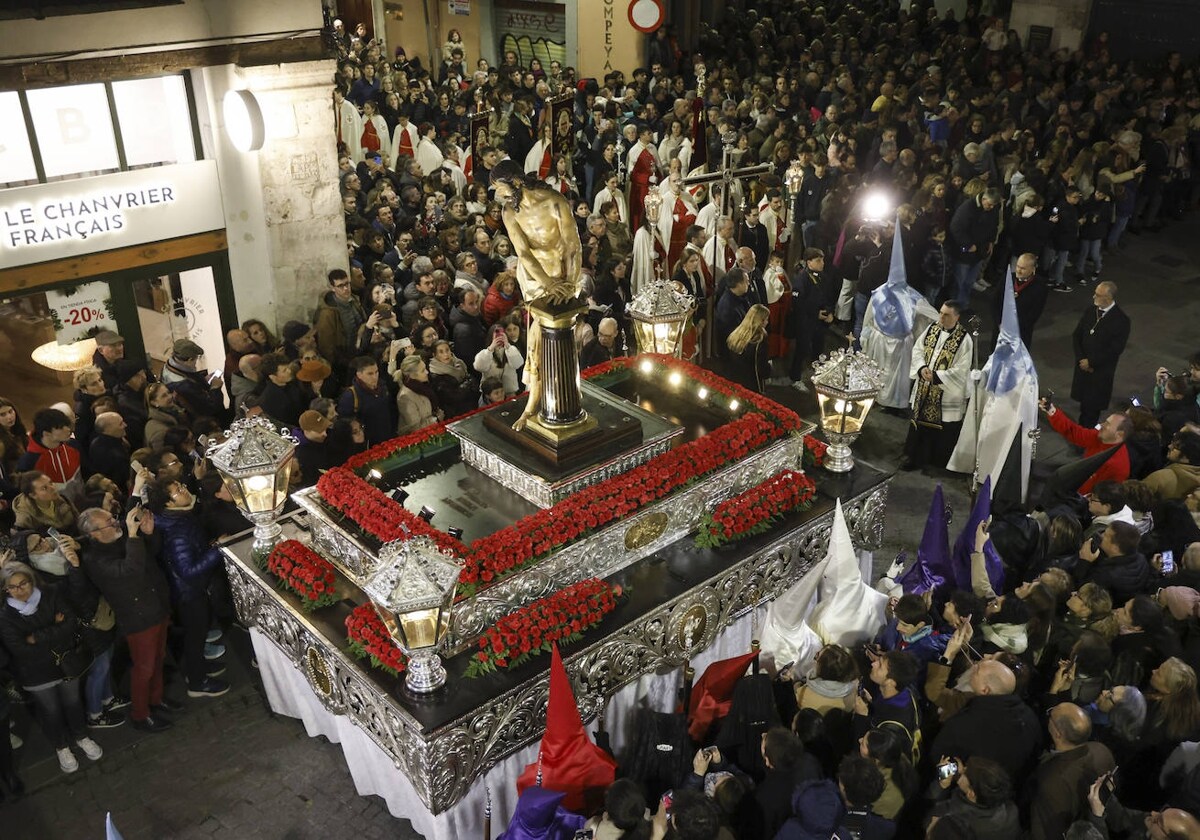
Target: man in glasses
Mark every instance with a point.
(119, 559)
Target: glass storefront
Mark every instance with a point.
(105, 213)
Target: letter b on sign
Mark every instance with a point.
(73, 125)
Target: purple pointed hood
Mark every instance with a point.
(966, 542)
(932, 569)
(539, 817)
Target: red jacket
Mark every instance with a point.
(61, 464)
(496, 306)
(1115, 468)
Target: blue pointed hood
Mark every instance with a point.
(1010, 363)
(894, 303)
(932, 569)
(966, 542)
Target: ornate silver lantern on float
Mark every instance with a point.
(660, 314)
(256, 461)
(413, 589)
(846, 383)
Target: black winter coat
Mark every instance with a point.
(972, 226)
(1000, 727)
(128, 576)
(34, 663)
(1123, 576)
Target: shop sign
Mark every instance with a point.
(78, 312)
(88, 215)
(460, 7)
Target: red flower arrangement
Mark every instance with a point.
(369, 639)
(305, 573)
(814, 452)
(501, 553)
(531, 630)
(753, 511)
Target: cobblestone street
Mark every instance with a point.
(229, 768)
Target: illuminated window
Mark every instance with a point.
(91, 129)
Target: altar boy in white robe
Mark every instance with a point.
(649, 247)
(940, 370)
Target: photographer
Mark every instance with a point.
(119, 560)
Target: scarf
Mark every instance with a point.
(51, 562)
(927, 410)
(1008, 637)
(27, 607)
(918, 636)
(455, 368)
(425, 389)
(832, 689)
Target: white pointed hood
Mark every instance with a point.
(1007, 406)
(786, 636)
(850, 612)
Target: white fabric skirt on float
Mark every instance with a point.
(374, 773)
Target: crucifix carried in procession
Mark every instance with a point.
(727, 174)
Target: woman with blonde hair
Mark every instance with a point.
(89, 386)
(748, 349)
(1172, 716)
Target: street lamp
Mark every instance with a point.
(256, 462)
(660, 314)
(413, 590)
(846, 383)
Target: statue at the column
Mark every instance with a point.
(546, 240)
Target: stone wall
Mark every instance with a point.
(1069, 19)
(283, 216)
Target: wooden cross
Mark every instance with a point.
(727, 174)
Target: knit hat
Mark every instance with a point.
(314, 421)
(314, 370)
(293, 331)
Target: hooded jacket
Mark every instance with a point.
(817, 810)
(1174, 481)
(1123, 575)
(161, 419)
(30, 515)
(61, 463)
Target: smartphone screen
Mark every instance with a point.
(1168, 562)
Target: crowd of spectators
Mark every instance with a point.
(978, 713)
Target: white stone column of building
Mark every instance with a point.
(282, 207)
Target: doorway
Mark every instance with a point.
(181, 305)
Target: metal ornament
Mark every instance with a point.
(442, 765)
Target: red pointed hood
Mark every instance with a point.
(713, 693)
(570, 762)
